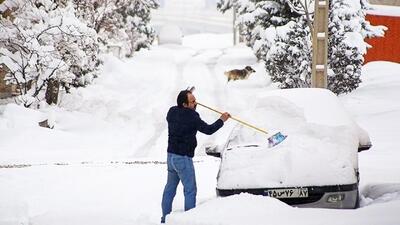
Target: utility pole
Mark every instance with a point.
(320, 44)
(233, 25)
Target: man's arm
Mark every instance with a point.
(205, 128)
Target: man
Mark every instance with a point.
(183, 124)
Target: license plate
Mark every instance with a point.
(288, 193)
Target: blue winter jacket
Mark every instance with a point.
(183, 124)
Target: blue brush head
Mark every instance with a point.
(276, 139)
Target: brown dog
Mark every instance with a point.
(239, 74)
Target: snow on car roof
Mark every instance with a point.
(321, 147)
(320, 106)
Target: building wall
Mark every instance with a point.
(385, 48)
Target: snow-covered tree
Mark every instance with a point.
(119, 22)
(289, 59)
(255, 16)
(347, 30)
(245, 21)
(42, 42)
(140, 33)
(268, 14)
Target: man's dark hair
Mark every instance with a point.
(182, 98)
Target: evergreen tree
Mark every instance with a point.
(224, 5)
(347, 30)
(288, 61)
(267, 15)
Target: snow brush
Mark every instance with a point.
(272, 140)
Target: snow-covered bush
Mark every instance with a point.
(42, 41)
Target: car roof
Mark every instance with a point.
(320, 106)
(317, 106)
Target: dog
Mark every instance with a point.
(239, 74)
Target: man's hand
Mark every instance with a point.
(225, 116)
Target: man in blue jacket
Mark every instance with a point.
(183, 124)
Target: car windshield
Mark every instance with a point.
(240, 137)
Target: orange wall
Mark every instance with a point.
(386, 48)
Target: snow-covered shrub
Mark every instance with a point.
(41, 41)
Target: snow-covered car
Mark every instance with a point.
(317, 164)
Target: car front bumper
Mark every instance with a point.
(333, 196)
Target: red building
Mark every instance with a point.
(385, 48)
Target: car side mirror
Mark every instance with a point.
(364, 147)
(213, 150)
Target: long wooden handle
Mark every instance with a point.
(234, 118)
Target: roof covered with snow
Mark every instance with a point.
(384, 10)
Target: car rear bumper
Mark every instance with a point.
(333, 196)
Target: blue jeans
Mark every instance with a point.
(180, 168)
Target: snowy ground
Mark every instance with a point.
(104, 162)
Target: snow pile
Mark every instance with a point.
(170, 34)
(260, 210)
(218, 209)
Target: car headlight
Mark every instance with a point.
(334, 198)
